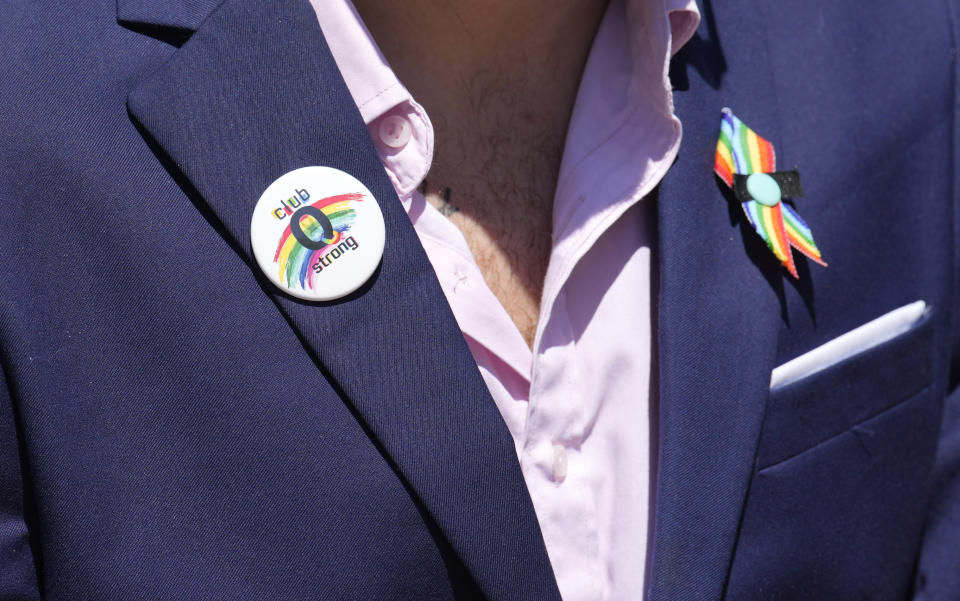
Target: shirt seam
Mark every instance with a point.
(378, 95)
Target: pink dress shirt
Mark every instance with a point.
(579, 406)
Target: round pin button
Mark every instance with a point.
(763, 189)
(317, 233)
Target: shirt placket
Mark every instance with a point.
(566, 505)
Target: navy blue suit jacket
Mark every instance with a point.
(173, 427)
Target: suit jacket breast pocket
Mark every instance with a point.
(836, 504)
(812, 410)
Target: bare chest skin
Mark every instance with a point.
(511, 245)
(494, 178)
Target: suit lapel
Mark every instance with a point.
(719, 319)
(254, 94)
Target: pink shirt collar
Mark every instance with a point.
(654, 31)
(377, 92)
(624, 108)
(623, 135)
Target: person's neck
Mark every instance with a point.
(454, 55)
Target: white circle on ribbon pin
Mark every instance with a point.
(317, 233)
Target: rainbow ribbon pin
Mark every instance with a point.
(747, 164)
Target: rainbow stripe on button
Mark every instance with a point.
(294, 259)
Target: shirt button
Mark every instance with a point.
(559, 463)
(395, 131)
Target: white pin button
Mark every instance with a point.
(317, 233)
(395, 131)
